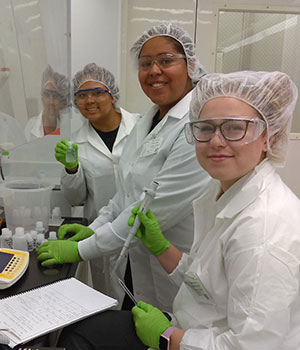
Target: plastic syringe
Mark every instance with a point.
(144, 206)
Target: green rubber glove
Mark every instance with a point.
(150, 323)
(61, 151)
(149, 231)
(80, 232)
(58, 252)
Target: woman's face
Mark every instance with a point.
(51, 100)
(228, 161)
(95, 106)
(164, 86)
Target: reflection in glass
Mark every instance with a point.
(261, 41)
(55, 92)
(33, 49)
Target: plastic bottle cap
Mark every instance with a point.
(39, 224)
(19, 231)
(33, 233)
(5, 230)
(29, 237)
(56, 212)
(52, 235)
(40, 237)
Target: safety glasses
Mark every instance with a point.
(232, 129)
(163, 60)
(96, 93)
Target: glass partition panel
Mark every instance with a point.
(267, 41)
(35, 100)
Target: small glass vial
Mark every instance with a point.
(70, 155)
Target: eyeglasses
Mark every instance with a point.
(50, 94)
(231, 129)
(96, 93)
(163, 60)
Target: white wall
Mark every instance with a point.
(95, 28)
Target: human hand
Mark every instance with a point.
(149, 231)
(58, 252)
(80, 232)
(61, 152)
(150, 323)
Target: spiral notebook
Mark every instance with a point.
(42, 310)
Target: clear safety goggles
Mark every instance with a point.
(163, 60)
(50, 94)
(231, 129)
(82, 95)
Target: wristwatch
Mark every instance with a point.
(165, 338)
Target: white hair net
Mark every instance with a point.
(195, 69)
(272, 94)
(92, 72)
(61, 84)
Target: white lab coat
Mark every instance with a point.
(246, 253)
(174, 166)
(94, 183)
(34, 127)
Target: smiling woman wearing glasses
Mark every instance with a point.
(239, 284)
(91, 179)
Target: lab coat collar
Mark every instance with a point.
(177, 112)
(245, 191)
(242, 193)
(127, 122)
(88, 134)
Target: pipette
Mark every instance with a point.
(144, 206)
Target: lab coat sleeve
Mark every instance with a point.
(177, 275)
(111, 229)
(263, 284)
(73, 186)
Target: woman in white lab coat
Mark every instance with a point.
(100, 140)
(55, 92)
(239, 285)
(155, 151)
(91, 180)
(240, 282)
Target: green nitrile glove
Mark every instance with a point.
(150, 323)
(149, 232)
(80, 232)
(58, 252)
(61, 152)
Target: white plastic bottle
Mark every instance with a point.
(70, 155)
(19, 239)
(6, 238)
(52, 236)
(40, 239)
(29, 241)
(39, 227)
